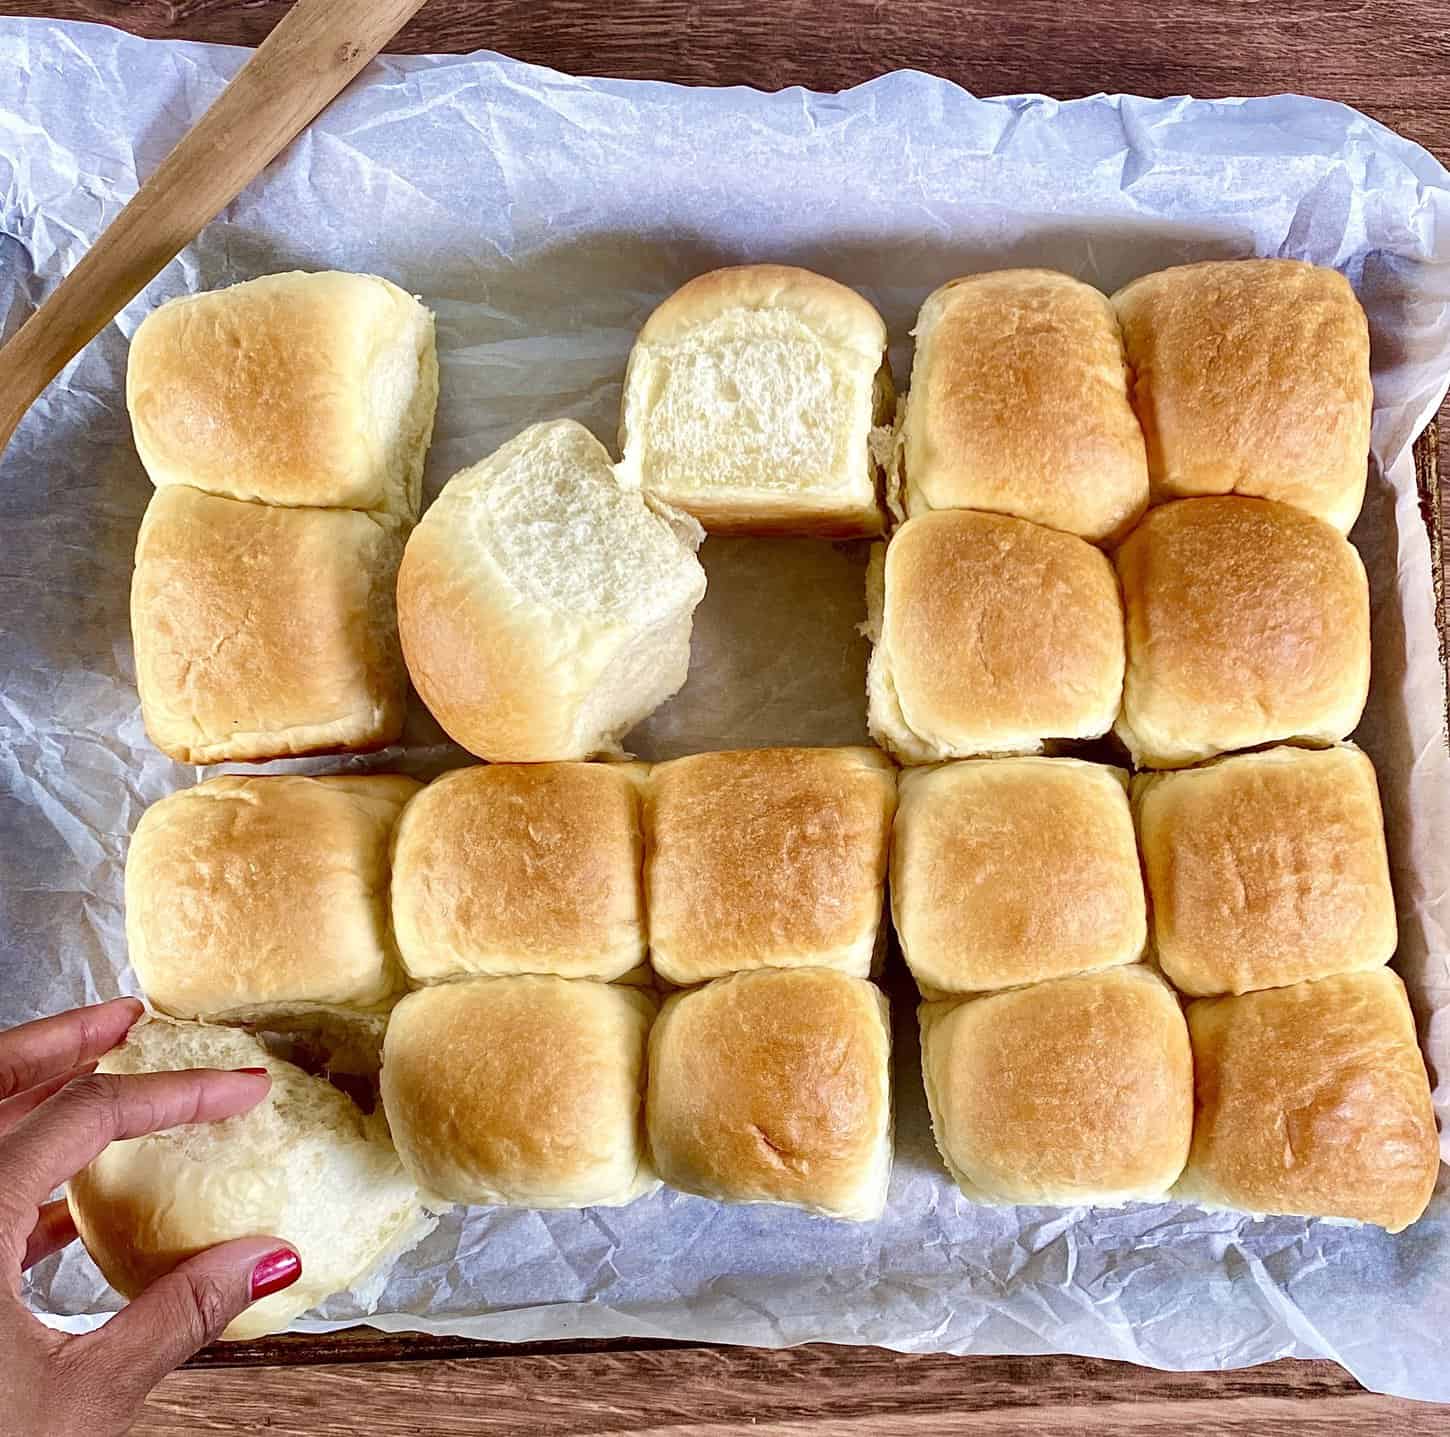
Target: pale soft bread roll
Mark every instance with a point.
(990, 635)
(265, 901)
(1248, 623)
(295, 389)
(522, 868)
(545, 610)
(767, 858)
(1252, 377)
(265, 632)
(756, 400)
(305, 1165)
(1019, 405)
(1266, 868)
(775, 1086)
(522, 1091)
(1008, 871)
(1312, 1100)
(1075, 1091)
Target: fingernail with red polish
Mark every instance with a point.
(255, 1072)
(274, 1272)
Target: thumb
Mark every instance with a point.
(184, 1311)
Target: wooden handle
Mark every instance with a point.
(301, 66)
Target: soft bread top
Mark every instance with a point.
(991, 635)
(1313, 1100)
(775, 1086)
(248, 898)
(767, 858)
(750, 401)
(1266, 868)
(1248, 623)
(304, 1165)
(1007, 871)
(1252, 377)
(1019, 405)
(1074, 1091)
(523, 1090)
(263, 632)
(545, 610)
(312, 389)
(522, 868)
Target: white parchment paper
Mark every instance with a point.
(542, 217)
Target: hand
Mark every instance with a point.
(56, 1114)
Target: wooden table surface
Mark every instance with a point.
(1391, 60)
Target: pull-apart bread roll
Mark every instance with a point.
(265, 632)
(991, 635)
(1248, 623)
(1312, 1100)
(265, 900)
(305, 1165)
(1019, 405)
(544, 609)
(1266, 868)
(293, 389)
(755, 399)
(522, 868)
(1008, 871)
(1252, 377)
(1075, 1091)
(523, 1091)
(775, 1086)
(767, 858)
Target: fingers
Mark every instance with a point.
(35, 1052)
(13, 1109)
(183, 1311)
(61, 1136)
(52, 1231)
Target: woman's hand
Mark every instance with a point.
(56, 1114)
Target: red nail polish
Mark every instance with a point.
(275, 1271)
(255, 1072)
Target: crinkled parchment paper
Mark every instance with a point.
(542, 217)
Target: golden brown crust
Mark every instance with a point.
(775, 1087)
(522, 868)
(996, 635)
(1008, 871)
(1266, 868)
(1248, 623)
(250, 894)
(767, 858)
(1075, 1091)
(1019, 405)
(525, 1091)
(1313, 1100)
(265, 632)
(1252, 377)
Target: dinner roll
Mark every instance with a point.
(1019, 405)
(522, 868)
(296, 389)
(1312, 1100)
(1007, 871)
(304, 1165)
(526, 1091)
(264, 632)
(1248, 623)
(1075, 1091)
(991, 635)
(1266, 868)
(545, 610)
(264, 900)
(767, 858)
(751, 399)
(1252, 377)
(775, 1086)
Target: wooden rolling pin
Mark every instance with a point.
(317, 47)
